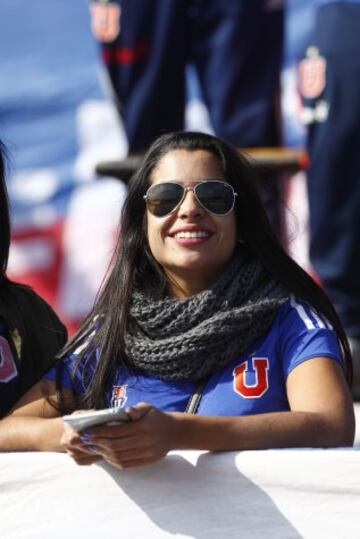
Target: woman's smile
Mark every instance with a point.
(190, 235)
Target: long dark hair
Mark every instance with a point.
(134, 266)
(4, 218)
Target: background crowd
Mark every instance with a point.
(58, 119)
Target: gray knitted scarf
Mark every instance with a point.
(191, 338)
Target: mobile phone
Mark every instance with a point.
(85, 420)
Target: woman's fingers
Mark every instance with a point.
(143, 440)
(83, 453)
(76, 446)
(148, 439)
(127, 454)
(84, 458)
(125, 429)
(138, 410)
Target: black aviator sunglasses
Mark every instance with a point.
(215, 196)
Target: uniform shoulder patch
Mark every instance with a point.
(312, 74)
(105, 20)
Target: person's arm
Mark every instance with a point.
(35, 424)
(321, 415)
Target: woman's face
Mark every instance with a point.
(192, 245)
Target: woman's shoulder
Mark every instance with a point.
(83, 345)
(27, 299)
(35, 333)
(22, 307)
(26, 293)
(304, 333)
(296, 312)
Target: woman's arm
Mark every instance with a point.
(35, 424)
(321, 415)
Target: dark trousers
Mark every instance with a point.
(236, 46)
(334, 174)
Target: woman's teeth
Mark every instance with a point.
(191, 235)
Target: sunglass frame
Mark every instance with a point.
(193, 189)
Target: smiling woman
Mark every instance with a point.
(192, 244)
(207, 333)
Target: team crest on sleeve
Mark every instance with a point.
(251, 379)
(119, 396)
(312, 74)
(8, 369)
(105, 20)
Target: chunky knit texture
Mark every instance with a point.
(191, 338)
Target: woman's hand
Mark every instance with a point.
(145, 439)
(74, 443)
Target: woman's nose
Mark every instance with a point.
(190, 205)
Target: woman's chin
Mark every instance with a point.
(196, 270)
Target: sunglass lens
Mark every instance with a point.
(162, 198)
(216, 197)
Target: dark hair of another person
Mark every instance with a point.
(34, 326)
(4, 218)
(133, 265)
(9, 302)
(9, 298)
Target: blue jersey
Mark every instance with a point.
(252, 383)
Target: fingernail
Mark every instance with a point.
(85, 437)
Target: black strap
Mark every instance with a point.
(195, 397)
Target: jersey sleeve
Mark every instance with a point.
(62, 372)
(74, 370)
(305, 335)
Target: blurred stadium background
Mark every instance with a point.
(58, 121)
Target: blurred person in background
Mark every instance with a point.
(330, 88)
(30, 332)
(58, 123)
(236, 47)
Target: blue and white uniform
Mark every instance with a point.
(252, 383)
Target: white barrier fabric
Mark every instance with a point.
(281, 494)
